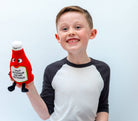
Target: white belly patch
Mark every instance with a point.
(19, 74)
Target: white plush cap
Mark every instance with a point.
(16, 45)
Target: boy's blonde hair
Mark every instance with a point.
(75, 9)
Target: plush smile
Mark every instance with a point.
(16, 65)
(72, 40)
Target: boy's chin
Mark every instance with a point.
(73, 50)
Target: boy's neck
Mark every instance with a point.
(76, 59)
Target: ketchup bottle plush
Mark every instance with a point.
(20, 68)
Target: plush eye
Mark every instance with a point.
(19, 60)
(13, 60)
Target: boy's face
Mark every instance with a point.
(73, 32)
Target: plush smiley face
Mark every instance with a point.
(16, 62)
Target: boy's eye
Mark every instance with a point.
(19, 60)
(77, 27)
(13, 60)
(64, 29)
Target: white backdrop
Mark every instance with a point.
(33, 22)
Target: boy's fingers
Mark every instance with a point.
(18, 85)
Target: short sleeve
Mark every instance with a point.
(103, 105)
(47, 93)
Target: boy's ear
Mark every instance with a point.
(93, 33)
(57, 37)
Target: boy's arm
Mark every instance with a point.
(102, 116)
(37, 102)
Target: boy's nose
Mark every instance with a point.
(71, 32)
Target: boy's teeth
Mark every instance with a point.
(72, 40)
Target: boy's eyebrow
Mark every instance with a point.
(63, 24)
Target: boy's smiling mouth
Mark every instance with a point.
(72, 40)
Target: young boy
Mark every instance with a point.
(75, 88)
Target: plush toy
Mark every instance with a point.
(20, 67)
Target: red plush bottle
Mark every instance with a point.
(20, 67)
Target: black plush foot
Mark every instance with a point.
(11, 88)
(23, 88)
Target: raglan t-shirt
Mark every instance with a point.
(75, 92)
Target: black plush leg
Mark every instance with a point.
(23, 88)
(11, 88)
